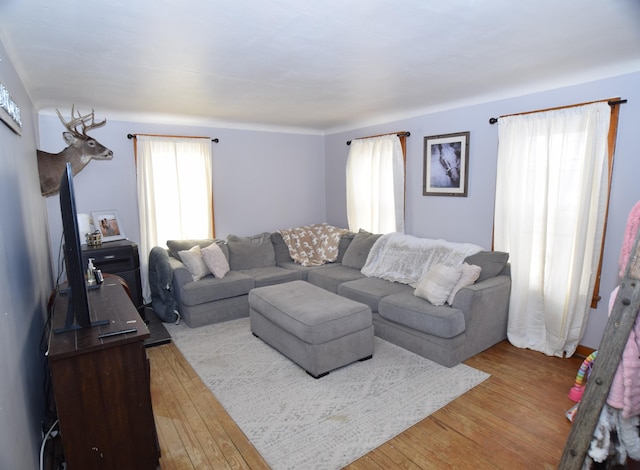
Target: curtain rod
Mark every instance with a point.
(493, 120)
(133, 136)
(399, 134)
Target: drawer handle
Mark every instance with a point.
(109, 256)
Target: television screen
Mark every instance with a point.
(78, 314)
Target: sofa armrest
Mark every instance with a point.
(181, 274)
(486, 310)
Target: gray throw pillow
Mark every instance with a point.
(251, 252)
(490, 262)
(356, 254)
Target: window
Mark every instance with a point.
(376, 184)
(174, 192)
(552, 193)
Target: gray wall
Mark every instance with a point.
(25, 284)
(470, 219)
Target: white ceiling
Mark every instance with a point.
(318, 65)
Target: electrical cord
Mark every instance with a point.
(50, 412)
(44, 443)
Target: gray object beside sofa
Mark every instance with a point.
(447, 334)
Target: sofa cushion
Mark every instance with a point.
(192, 259)
(330, 276)
(370, 290)
(211, 288)
(215, 260)
(436, 285)
(251, 252)
(413, 312)
(272, 275)
(470, 273)
(311, 314)
(292, 265)
(356, 254)
(490, 262)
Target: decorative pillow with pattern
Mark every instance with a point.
(437, 283)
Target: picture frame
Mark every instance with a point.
(108, 223)
(446, 165)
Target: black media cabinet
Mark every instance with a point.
(121, 258)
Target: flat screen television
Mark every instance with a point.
(78, 312)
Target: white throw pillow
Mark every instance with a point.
(436, 285)
(192, 259)
(470, 274)
(215, 260)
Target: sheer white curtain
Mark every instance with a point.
(174, 192)
(375, 185)
(551, 194)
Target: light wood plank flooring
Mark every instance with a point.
(514, 420)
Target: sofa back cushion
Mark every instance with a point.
(282, 254)
(490, 262)
(251, 252)
(356, 254)
(345, 241)
(280, 249)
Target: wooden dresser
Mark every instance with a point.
(102, 385)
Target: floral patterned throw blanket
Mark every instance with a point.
(313, 245)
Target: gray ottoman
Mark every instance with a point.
(317, 329)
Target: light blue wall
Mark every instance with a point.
(262, 181)
(470, 219)
(25, 284)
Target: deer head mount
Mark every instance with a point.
(80, 151)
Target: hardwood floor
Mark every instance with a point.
(514, 420)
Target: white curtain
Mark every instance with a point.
(551, 195)
(174, 193)
(375, 185)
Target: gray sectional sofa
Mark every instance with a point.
(474, 320)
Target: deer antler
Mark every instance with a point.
(72, 124)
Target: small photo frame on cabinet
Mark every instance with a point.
(108, 223)
(446, 165)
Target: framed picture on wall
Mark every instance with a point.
(446, 165)
(108, 223)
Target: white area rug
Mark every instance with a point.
(297, 422)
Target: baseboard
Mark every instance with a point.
(583, 351)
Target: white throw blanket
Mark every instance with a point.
(404, 258)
